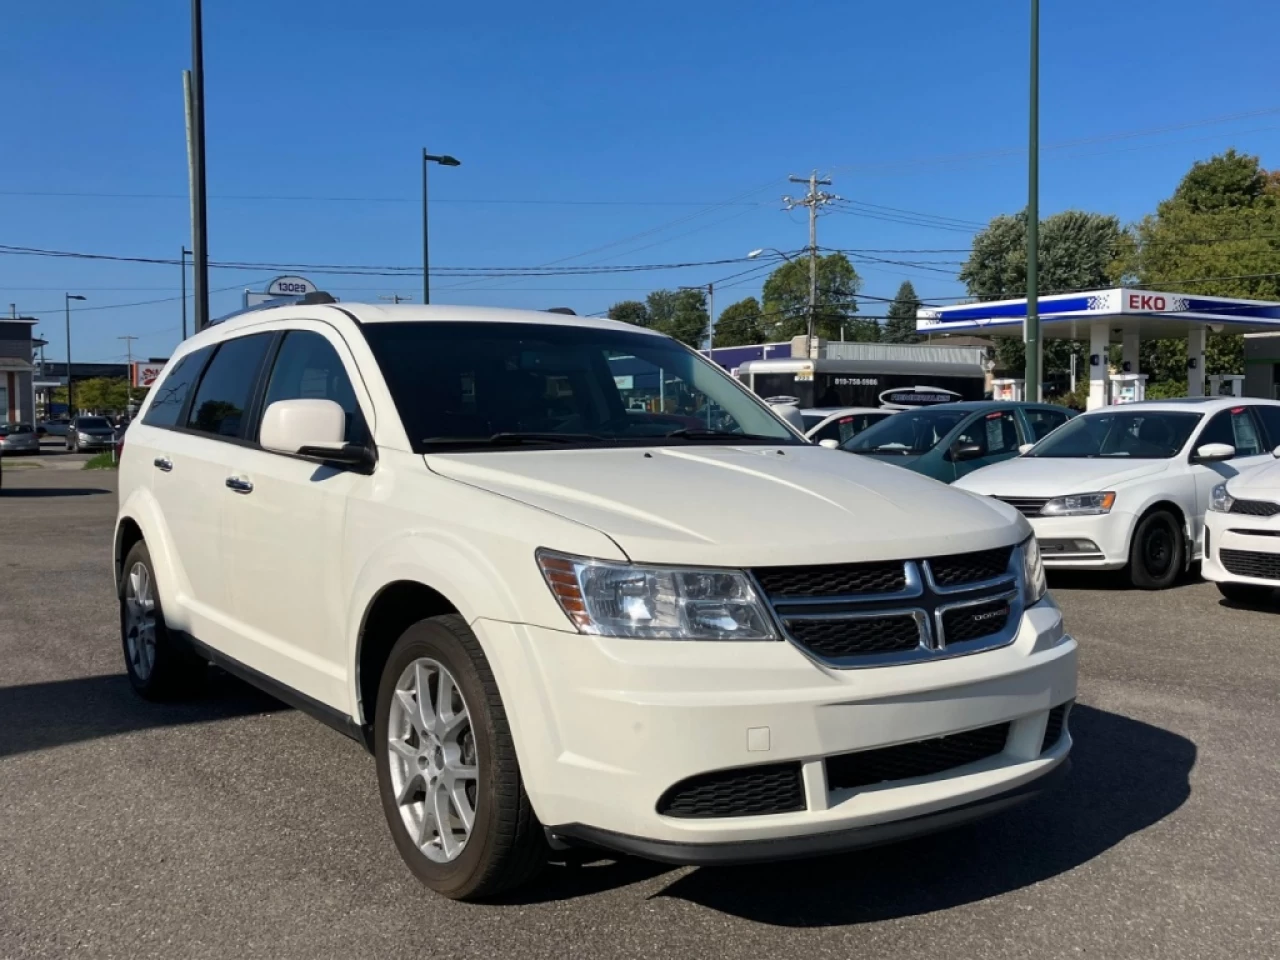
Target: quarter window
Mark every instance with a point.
(309, 368)
(227, 386)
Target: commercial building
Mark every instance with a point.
(17, 386)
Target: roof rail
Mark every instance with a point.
(565, 310)
(306, 299)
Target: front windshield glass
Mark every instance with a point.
(475, 386)
(909, 433)
(1135, 434)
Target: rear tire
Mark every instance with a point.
(439, 753)
(1245, 594)
(1158, 552)
(159, 665)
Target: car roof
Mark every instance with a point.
(1191, 405)
(408, 313)
(979, 405)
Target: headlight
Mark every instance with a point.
(1220, 500)
(1079, 505)
(1033, 583)
(611, 599)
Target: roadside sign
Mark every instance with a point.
(146, 374)
(290, 287)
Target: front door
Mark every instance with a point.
(284, 531)
(997, 436)
(1239, 428)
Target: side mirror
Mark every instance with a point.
(310, 428)
(829, 444)
(1025, 447)
(969, 451)
(1214, 452)
(1276, 452)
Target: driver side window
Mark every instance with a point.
(309, 368)
(1235, 428)
(994, 433)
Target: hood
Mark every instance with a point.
(1259, 483)
(743, 506)
(1056, 477)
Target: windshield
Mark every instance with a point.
(475, 385)
(1135, 434)
(909, 433)
(93, 423)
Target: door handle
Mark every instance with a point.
(163, 463)
(239, 485)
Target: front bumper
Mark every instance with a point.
(1064, 541)
(605, 727)
(1253, 538)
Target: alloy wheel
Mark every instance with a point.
(140, 621)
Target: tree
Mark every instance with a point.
(630, 311)
(901, 325)
(1218, 235)
(739, 324)
(679, 313)
(101, 394)
(786, 300)
(1078, 251)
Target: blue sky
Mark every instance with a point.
(665, 110)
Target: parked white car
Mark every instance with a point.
(1242, 535)
(1128, 486)
(556, 621)
(839, 424)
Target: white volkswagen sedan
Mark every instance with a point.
(1127, 487)
(1242, 536)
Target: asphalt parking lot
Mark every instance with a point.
(233, 827)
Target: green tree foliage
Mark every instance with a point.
(101, 394)
(740, 324)
(786, 301)
(630, 311)
(1078, 251)
(1218, 235)
(901, 325)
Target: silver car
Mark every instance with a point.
(90, 433)
(18, 438)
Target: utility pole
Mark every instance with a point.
(185, 253)
(199, 208)
(128, 344)
(814, 199)
(1031, 329)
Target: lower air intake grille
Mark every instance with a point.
(743, 792)
(1053, 729)
(920, 759)
(1248, 563)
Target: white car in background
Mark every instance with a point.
(1127, 487)
(841, 423)
(1242, 535)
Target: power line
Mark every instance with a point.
(259, 198)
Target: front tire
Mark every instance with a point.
(1245, 594)
(159, 666)
(1157, 554)
(447, 771)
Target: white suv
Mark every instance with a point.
(476, 541)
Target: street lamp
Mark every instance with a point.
(754, 254)
(445, 161)
(67, 304)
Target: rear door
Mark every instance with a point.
(190, 464)
(283, 536)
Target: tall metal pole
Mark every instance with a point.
(128, 341)
(1031, 330)
(185, 251)
(426, 276)
(711, 317)
(71, 409)
(199, 227)
(813, 263)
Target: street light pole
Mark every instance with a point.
(71, 409)
(445, 161)
(1031, 329)
(185, 253)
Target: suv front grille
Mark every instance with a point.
(1027, 506)
(1249, 563)
(742, 792)
(920, 759)
(1255, 508)
(874, 614)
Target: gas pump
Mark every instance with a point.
(1128, 387)
(1007, 388)
(1226, 385)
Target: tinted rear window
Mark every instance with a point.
(227, 386)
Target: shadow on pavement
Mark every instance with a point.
(1126, 777)
(1114, 580)
(43, 715)
(14, 493)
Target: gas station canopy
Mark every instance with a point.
(1105, 316)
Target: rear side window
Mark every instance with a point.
(227, 386)
(173, 388)
(309, 368)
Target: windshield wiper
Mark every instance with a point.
(513, 439)
(704, 433)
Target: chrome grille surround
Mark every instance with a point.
(923, 599)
